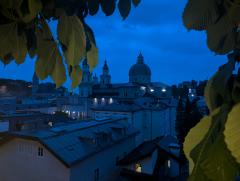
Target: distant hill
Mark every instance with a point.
(9, 87)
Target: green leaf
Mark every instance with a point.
(59, 73)
(231, 132)
(136, 2)
(34, 7)
(200, 14)
(211, 155)
(221, 38)
(10, 4)
(72, 36)
(12, 43)
(108, 6)
(216, 89)
(194, 137)
(47, 52)
(92, 56)
(124, 7)
(76, 76)
(93, 6)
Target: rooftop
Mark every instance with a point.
(73, 142)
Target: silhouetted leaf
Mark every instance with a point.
(124, 7)
(108, 6)
(199, 14)
(136, 2)
(220, 36)
(216, 89)
(93, 6)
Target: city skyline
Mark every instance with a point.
(159, 35)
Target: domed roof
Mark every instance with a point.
(140, 68)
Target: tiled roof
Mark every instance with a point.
(71, 143)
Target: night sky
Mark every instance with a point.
(155, 28)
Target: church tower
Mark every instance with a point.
(140, 72)
(105, 78)
(85, 87)
(35, 83)
(95, 79)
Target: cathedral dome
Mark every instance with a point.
(140, 72)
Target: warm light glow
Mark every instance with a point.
(138, 168)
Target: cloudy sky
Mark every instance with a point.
(154, 28)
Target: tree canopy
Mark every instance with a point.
(24, 30)
(212, 146)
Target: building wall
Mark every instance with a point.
(150, 123)
(19, 161)
(105, 161)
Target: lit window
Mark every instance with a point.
(40, 151)
(164, 90)
(110, 100)
(143, 88)
(96, 174)
(151, 90)
(138, 168)
(50, 123)
(169, 163)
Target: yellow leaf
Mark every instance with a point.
(232, 130)
(73, 39)
(12, 42)
(34, 6)
(59, 74)
(47, 52)
(92, 56)
(20, 47)
(195, 136)
(76, 76)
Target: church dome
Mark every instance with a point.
(140, 72)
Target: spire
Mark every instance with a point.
(140, 58)
(105, 65)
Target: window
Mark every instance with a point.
(138, 168)
(169, 163)
(96, 174)
(40, 151)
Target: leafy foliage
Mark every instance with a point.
(217, 154)
(220, 19)
(24, 30)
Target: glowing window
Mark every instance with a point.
(138, 168)
(110, 100)
(169, 163)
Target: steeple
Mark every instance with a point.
(105, 77)
(105, 67)
(140, 59)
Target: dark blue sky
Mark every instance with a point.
(154, 27)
